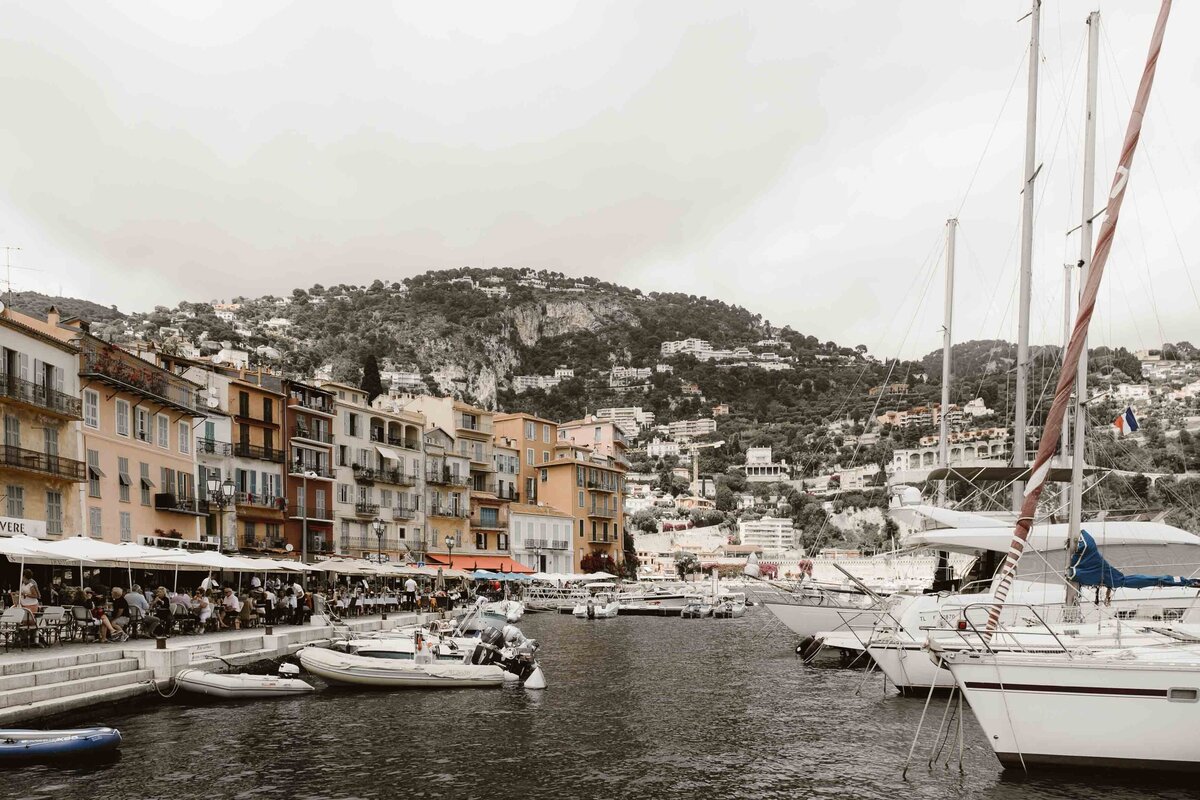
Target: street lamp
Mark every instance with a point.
(380, 530)
(304, 476)
(220, 494)
(450, 550)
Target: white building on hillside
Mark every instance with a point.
(691, 428)
(662, 449)
(630, 419)
(774, 535)
(761, 466)
(699, 348)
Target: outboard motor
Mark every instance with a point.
(488, 651)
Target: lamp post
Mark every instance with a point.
(450, 550)
(304, 476)
(220, 494)
(380, 530)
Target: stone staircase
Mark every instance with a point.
(41, 685)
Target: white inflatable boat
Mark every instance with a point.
(240, 685)
(357, 670)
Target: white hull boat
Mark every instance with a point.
(240, 685)
(730, 606)
(509, 611)
(596, 610)
(357, 670)
(808, 620)
(1126, 708)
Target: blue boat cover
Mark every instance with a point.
(1089, 568)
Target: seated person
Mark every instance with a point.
(230, 606)
(160, 607)
(120, 610)
(202, 608)
(98, 617)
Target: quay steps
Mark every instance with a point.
(40, 687)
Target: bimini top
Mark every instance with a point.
(1048, 537)
(962, 519)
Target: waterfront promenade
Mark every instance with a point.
(39, 682)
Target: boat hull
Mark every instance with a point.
(1075, 713)
(390, 673)
(22, 745)
(809, 620)
(236, 687)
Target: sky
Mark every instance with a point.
(799, 159)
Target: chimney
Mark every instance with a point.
(52, 316)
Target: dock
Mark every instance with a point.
(41, 682)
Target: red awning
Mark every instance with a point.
(492, 563)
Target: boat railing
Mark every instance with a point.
(987, 640)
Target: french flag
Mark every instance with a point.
(1126, 421)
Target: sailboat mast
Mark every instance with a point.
(1075, 519)
(947, 360)
(1026, 281)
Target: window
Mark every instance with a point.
(243, 404)
(164, 431)
(185, 438)
(581, 528)
(546, 434)
(530, 458)
(343, 493)
(91, 408)
(530, 430)
(581, 499)
(343, 455)
(93, 472)
(94, 522)
(141, 426)
(16, 501)
(146, 483)
(268, 410)
(123, 418)
(481, 541)
(54, 512)
(12, 431)
(596, 435)
(501, 541)
(489, 517)
(123, 481)
(126, 527)
(530, 490)
(168, 479)
(50, 439)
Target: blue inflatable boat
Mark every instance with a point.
(79, 743)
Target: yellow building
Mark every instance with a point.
(138, 445)
(40, 468)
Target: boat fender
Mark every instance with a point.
(809, 647)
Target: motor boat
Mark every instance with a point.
(499, 657)
(598, 607)
(446, 649)
(20, 745)
(509, 611)
(730, 606)
(697, 609)
(233, 686)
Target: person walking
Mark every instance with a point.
(410, 594)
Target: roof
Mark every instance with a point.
(541, 511)
(522, 415)
(493, 563)
(35, 330)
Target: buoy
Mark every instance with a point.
(536, 679)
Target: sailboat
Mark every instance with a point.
(1066, 708)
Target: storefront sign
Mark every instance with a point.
(16, 526)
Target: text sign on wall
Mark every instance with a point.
(16, 526)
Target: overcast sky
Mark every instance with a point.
(796, 158)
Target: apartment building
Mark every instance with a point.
(699, 348)
(590, 486)
(40, 469)
(507, 457)
(761, 467)
(630, 418)
(534, 439)
(685, 429)
(775, 536)
(540, 537)
(258, 452)
(598, 435)
(308, 430)
(380, 471)
(447, 498)
(137, 437)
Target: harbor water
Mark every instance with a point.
(636, 707)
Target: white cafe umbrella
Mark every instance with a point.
(22, 547)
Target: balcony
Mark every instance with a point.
(471, 424)
(33, 461)
(601, 486)
(491, 525)
(448, 512)
(247, 450)
(180, 505)
(507, 493)
(602, 513)
(397, 477)
(212, 447)
(126, 372)
(19, 390)
(318, 513)
(546, 544)
(445, 478)
(363, 474)
(311, 434)
(264, 501)
(362, 509)
(299, 469)
(409, 444)
(317, 404)
(403, 512)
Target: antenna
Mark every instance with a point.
(8, 268)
